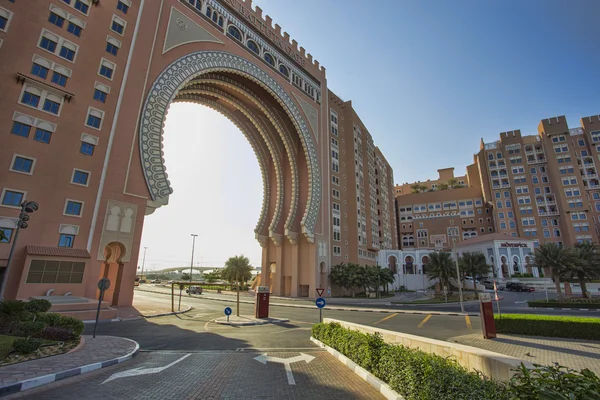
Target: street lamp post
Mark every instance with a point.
(143, 263)
(462, 306)
(192, 262)
(27, 207)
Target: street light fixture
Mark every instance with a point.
(26, 208)
(462, 306)
(143, 263)
(192, 262)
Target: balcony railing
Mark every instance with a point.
(547, 213)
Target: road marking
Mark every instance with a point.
(291, 329)
(385, 319)
(424, 320)
(263, 358)
(468, 320)
(143, 371)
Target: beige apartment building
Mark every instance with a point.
(85, 92)
(541, 187)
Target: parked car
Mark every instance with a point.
(169, 282)
(519, 287)
(489, 284)
(194, 290)
(155, 281)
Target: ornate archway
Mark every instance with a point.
(200, 77)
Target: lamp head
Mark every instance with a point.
(30, 206)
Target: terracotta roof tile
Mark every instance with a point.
(51, 251)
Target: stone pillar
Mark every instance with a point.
(498, 263)
(295, 261)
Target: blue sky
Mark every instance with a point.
(428, 79)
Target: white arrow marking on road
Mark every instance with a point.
(143, 371)
(263, 358)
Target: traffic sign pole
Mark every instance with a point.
(497, 299)
(227, 312)
(320, 315)
(103, 284)
(320, 303)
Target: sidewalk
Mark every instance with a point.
(94, 354)
(575, 354)
(149, 309)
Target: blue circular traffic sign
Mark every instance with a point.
(320, 302)
(227, 311)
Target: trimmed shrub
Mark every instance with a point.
(71, 323)
(410, 372)
(547, 325)
(51, 319)
(554, 382)
(11, 312)
(30, 328)
(566, 303)
(38, 305)
(58, 334)
(26, 345)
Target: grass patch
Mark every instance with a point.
(549, 326)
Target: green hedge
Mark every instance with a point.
(555, 304)
(411, 373)
(417, 375)
(547, 325)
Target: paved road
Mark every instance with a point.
(212, 375)
(513, 302)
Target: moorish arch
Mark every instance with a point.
(179, 79)
(281, 139)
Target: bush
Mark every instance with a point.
(58, 334)
(26, 345)
(410, 372)
(51, 319)
(71, 323)
(38, 305)
(30, 328)
(546, 325)
(554, 382)
(11, 312)
(577, 302)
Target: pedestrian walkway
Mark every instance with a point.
(576, 354)
(95, 353)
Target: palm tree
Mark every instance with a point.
(237, 269)
(443, 186)
(440, 266)
(418, 188)
(356, 277)
(557, 259)
(386, 277)
(473, 264)
(339, 275)
(588, 267)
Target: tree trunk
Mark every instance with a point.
(475, 285)
(557, 285)
(583, 286)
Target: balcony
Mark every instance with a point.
(592, 187)
(590, 176)
(547, 213)
(536, 161)
(505, 185)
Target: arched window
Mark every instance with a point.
(597, 205)
(283, 69)
(215, 16)
(233, 31)
(253, 46)
(220, 22)
(269, 58)
(208, 12)
(546, 232)
(556, 232)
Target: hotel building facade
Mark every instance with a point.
(533, 189)
(84, 93)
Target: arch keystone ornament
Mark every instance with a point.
(164, 90)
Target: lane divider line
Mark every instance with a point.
(385, 319)
(424, 321)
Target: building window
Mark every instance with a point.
(12, 198)
(235, 32)
(111, 48)
(269, 58)
(51, 271)
(5, 17)
(283, 69)
(8, 232)
(48, 44)
(80, 177)
(73, 208)
(56, 20)
(87, 148)
(30, 99)
(74, 29)
(100, 95)
(122, 7)
(67, 53)
(253, 46)
(52, 107)
(94, 118)
(39, 70)
(106, 69)
(42, 135)
(118, 25)
(81, 6)
(66, 240)
(22, 164)
(59, 79)
(20, 129)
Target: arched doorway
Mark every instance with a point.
(409, 265)
(503, 262)
(393, 264)
(113, 266)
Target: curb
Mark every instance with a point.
(368, 377)
(168, 313)
(384, 311)
(46, 379)
(565, 309)
(249, 323)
